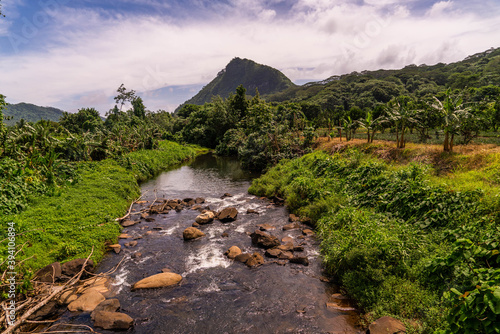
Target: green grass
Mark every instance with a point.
(398, 237)
(81, 216)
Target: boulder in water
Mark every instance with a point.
(192, 233)
(264, 240)
(227, 215)
(158, 281)
(233, 252)
(113, 320)
(87, 302)
(205, 218)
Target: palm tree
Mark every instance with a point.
(452, 111)
(370, 125)
(400, 112)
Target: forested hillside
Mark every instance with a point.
(30, 113)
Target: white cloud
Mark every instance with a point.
(88, 54)
(440, 8)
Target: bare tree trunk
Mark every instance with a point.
(446, 145)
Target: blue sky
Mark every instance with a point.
(75, 53)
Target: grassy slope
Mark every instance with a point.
(67, 226)
(392, 231)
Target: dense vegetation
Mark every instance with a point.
(401, 241)
(413, 241)
(30, 113)
(63, 184)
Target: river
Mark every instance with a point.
(218, 295)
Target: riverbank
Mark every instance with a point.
(404, 235)
(82, 216)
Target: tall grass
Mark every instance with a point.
(393, 235)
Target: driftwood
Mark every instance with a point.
(57, 290)
(130, 208)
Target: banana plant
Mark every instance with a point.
(452, 111)
(401, 114)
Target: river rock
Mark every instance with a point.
(50, 273)
(197, 207)
(298, 248)
(136, 255)
(49, 309)
(306, 220)
(252, 211)
(264, 240)
(227, 215)
(293, 218)
(255, 260)
(87, 302)
(205, 218)
(291, 226)
(286, 240)
(195, 224)
(285, 255)
(158, 281)
(67, 297)
(109, 305)
(199, 200)
(233, 252)
(128, 223)
(124, 236)
(266, 227)
(73, 267)
(308, 232)
(273, 252)
(113, 320)
(192, 233)
(144, 215)
(226, 195)
(300, 260)
(386, 325)
(116, 247)
(286, 247)
(243, 258)
(131, 244)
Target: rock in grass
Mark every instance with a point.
(128, 223)
(158, 281)
(113, 320)
(50, 273)
(87, 302)
(386, 325)
(192, 233)
(73, 267)
(116, 247)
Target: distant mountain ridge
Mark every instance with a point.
(244, 72)
(31, 113)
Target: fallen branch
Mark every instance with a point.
(58, 290)
(130, 208)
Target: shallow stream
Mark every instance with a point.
(218, 295)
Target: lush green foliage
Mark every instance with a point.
(400, 240)
(260, 133)
(66, 224)
(30, 113)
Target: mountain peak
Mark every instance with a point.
(246, 72)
